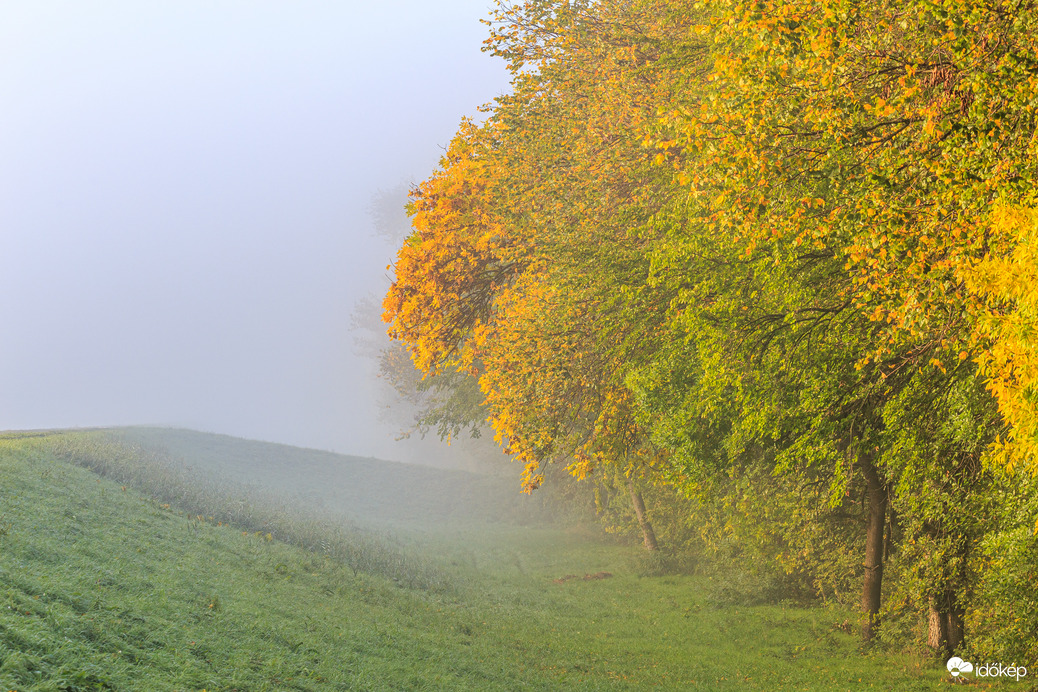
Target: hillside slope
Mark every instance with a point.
(103, 588)
(361, 489)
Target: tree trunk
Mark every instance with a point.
(946, 631)
(643, 518)
(956, 628)
(937, 635)
(871, 592)
(888, 540)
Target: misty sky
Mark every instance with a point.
(183, 203)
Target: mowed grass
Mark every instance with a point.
(102, 587)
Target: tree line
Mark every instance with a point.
(772, 263)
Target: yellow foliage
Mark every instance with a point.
(1007, 279)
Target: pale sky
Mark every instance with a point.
(183, 194)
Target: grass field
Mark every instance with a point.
(104, 586)
(359, 489)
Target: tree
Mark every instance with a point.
(494, 281)
(830, 127)
(705, 242)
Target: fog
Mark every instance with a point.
(184, 192)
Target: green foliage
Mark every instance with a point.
(1004, 615)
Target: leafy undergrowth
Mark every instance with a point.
(102, 587)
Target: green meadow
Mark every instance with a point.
(151, 571)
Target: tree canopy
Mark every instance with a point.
(793, 240)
